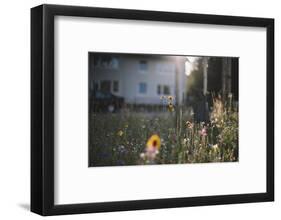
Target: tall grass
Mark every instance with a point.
(122, 138)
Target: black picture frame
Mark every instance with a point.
(42, 109)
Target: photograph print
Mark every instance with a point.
(147, 109)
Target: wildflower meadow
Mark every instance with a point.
(168, 135)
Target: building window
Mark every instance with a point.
(159, 90)
(163, 90)
(143, 66)
(106, 62)
(166, 90)
(115, 86)
(142, 88)
(114, 63)
(105, 86)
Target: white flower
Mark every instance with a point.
(215, 147)
(142, 155)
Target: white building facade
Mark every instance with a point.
(139, 79)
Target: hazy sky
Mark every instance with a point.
(189, 65)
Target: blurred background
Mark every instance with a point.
(138, 81)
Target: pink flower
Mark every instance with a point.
(203, 132)
(150, 154)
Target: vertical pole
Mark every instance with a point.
(229, 75)
(224, 73)
(205, 75)
(177, 72)
(177, 69)
(226, 77)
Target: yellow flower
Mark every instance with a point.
(154, 142)
(189, 124)
(170, 107)
(170, 98)
(120, 133)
